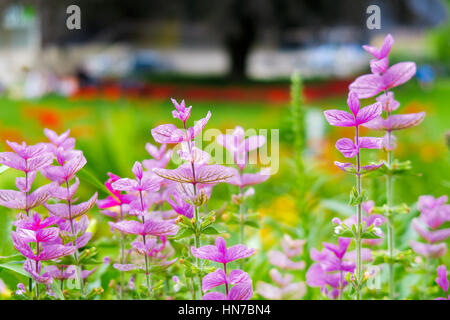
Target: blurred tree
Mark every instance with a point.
(236, 25)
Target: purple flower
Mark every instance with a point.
(292, 247)
(116, 198)
(375, 221)
(169, 133)
(442, 281)
(60, 272)
(384, 50)
(350, 149)
(149, 227)
(59, 141)
(238, 146)
(285, 289)
(181, 111)
(26, 158)
(430, 236)
(141, 183)
(282, 261)
(434, 211)
(219, 253)
(180, 206)
(249, 179)
(370, 85)
(396, 122)
(388, 102)
(72, 211)
(351, 168)
(239, 280)
(22, 201)
(211, 174)
(242, 284)
(70, 164)
(332, 263)
(358, 116)
(160, 157)
(429, 250)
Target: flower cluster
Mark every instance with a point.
(240, 281)
(331, 267)
(371, 222)
(433, 213)
(69, 162)
(150, 227)
(285, 287)
(239, 149)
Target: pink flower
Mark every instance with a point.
(384, 50)
(285, 289)
(429, 250)
(430, 236)
(70, 164)
(169, 133)
(350, 149)
(388, 102)
(59, 141)
(330, 268)
(60, 273)
(357, 117)
(210, 174)
(116, 198)
(21, 201)
(150, 227)
(442, 281)
(238, 146)
(282, 261)
(396, 122)
(370, 85)
(161, 157)
(434, 211)
(141, 183)
(180, 206)
(241, 290)
(249, 179)
(26, 158)
(219, 253)
(181, 111)
(72, 211)
(351, 168)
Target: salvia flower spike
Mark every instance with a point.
(194, 178)
(351, 148)
(382, 80)
(69, 162)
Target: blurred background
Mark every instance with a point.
(110, 83)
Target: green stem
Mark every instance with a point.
(77, 254)
(122, 256)
(390, 227)
(147, 275)
(197, 245)
(358, 221)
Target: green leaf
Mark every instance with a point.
(3, 168)
(252, 223)
(56, 288)
(16, 266)
(86, 175)
(183, 234)
(11, 257)
(210, 230)
(355, 198)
